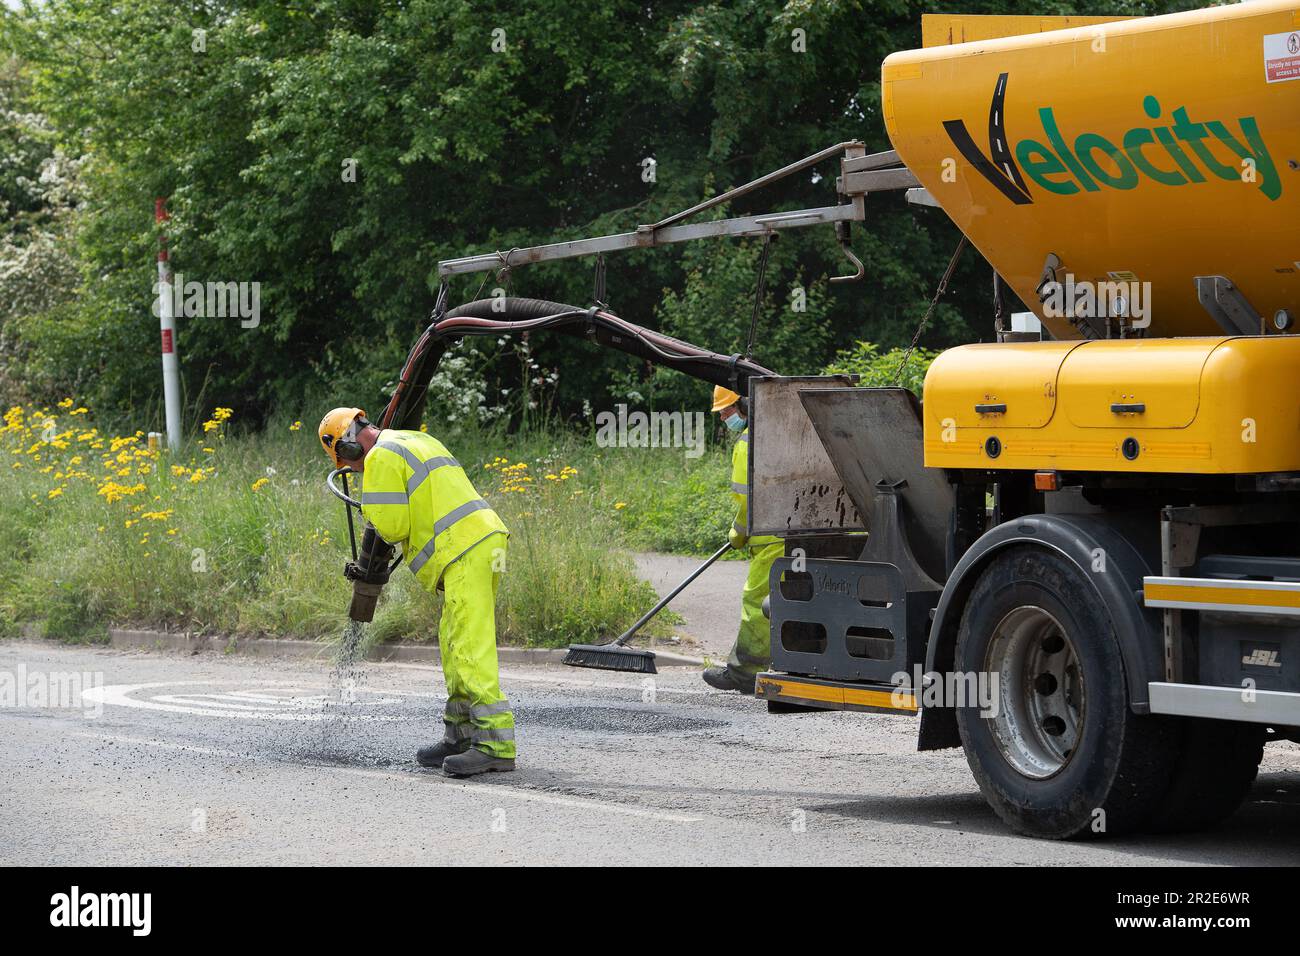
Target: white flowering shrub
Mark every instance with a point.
(458, 391)
(40, 195)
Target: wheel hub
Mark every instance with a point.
(1040, 713)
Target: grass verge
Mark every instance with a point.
(237, 534)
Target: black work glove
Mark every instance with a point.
(352, 571)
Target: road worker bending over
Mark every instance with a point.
(752, 651)
(416, 495)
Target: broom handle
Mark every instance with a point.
(627, 635)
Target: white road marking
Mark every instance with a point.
(431, 779)
(189, 701)
(305, 708)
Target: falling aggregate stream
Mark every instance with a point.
(338, 739)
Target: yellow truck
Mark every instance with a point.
(1078, 557)
(1114, 538)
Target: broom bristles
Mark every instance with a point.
(611, 657)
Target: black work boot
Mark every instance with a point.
(434, 755)
(724, 678)
(475, 761)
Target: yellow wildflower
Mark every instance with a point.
(112, 491)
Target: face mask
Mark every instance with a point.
(735, 422)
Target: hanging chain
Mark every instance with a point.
(502, 274)
(759, 289)
(925, 319)
(598, 286)
(999, 307)
(440, 302)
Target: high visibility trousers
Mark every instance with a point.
(477, 711)
(752, 651)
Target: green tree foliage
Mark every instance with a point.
(470, 126)
(876, 369)
(40, 195)
(715, 306)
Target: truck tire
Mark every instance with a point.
(1218, 761)
(1062, 756)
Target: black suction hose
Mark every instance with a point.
(498, 316)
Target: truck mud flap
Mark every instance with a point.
(846, 620)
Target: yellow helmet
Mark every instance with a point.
(337, 426)
(723, 398)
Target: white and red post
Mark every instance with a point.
(167, 319)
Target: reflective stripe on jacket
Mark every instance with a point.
(417, 495)
(740, 491)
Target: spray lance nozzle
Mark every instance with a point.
(370, 566)
(368, 574)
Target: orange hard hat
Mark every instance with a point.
(724, 398)
(338, 426)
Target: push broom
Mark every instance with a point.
(617, 656)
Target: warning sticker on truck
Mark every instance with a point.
(1282, 57)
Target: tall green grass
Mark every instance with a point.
(254, 545)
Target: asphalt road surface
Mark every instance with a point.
(710, 607)
(209, 759)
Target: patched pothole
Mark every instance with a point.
(614, 720)
(346, 759)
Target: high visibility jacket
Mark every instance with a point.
(418, 496)
(740, 491)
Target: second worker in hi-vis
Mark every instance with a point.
(752, 651)
(417, 496)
